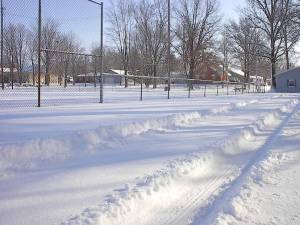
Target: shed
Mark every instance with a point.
(288, 81)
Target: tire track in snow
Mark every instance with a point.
(125, 201)
(219, 203)
(194, 201)
(28, 154)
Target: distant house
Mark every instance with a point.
(288, 81)
(109, 77)
(7, 74)
(235, 75)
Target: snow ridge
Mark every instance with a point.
(271, 121)
(40, 151)
(232, 211)
(125, 200)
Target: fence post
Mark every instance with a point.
(141, 95)
(169, 48)
(217, 90)
(235, 88)
(39, 51)
(101, 55)
(227, 87)
(2, 71)
(243, 88)
(85, 69)
(95, 71)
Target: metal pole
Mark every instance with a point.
(227, 87)
(169, 48)
(217, 90)
(85, 69)
(2, 72)
(243, 84)
(39, 51)
(141, 96)
(205, 90)
(235, 88)
(101, 56)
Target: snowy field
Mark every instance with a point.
(21, 97)
(203, 160)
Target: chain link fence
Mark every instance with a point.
(60, 61)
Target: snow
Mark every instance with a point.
(213, 160)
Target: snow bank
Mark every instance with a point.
(26, 155)
(239, 207)
(240, 140)
(37, 152)
(128, 199)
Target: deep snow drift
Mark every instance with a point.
(184, 161)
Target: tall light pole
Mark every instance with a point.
(2, 72)
(39, 51)
(169, 48)
(101, 49)
(101, 55)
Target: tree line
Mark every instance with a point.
(262, 41)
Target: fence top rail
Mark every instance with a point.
(173, 78)
(69, 53)
(145, 77)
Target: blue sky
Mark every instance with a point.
(80, 16)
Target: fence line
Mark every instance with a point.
(66, 67)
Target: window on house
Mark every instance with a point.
(291, 83)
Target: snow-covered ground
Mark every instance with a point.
(214, 160)
(21, 97)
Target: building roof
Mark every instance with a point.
(287, 71)
(120, 72)
(236, 71)
(7, 70)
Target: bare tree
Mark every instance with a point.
(49, 41)
(196, 26)
(271, 16)
(121, 21)
(151, 33)
(31, 42)
(246, 44)
(291, 32)
(21, 50)
(10, 49)
(224, 48)
(66, 44)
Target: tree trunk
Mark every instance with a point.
(73, 73)
(154, 76)
(191, 73)
(287, 59)
(47, 70)
(66, 74)
(126, 79)
(12, 73)
(33, 72)
(273, 63)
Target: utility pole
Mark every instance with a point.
(169, 48)
(39, 51)
(101, 55)
(2, 71)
